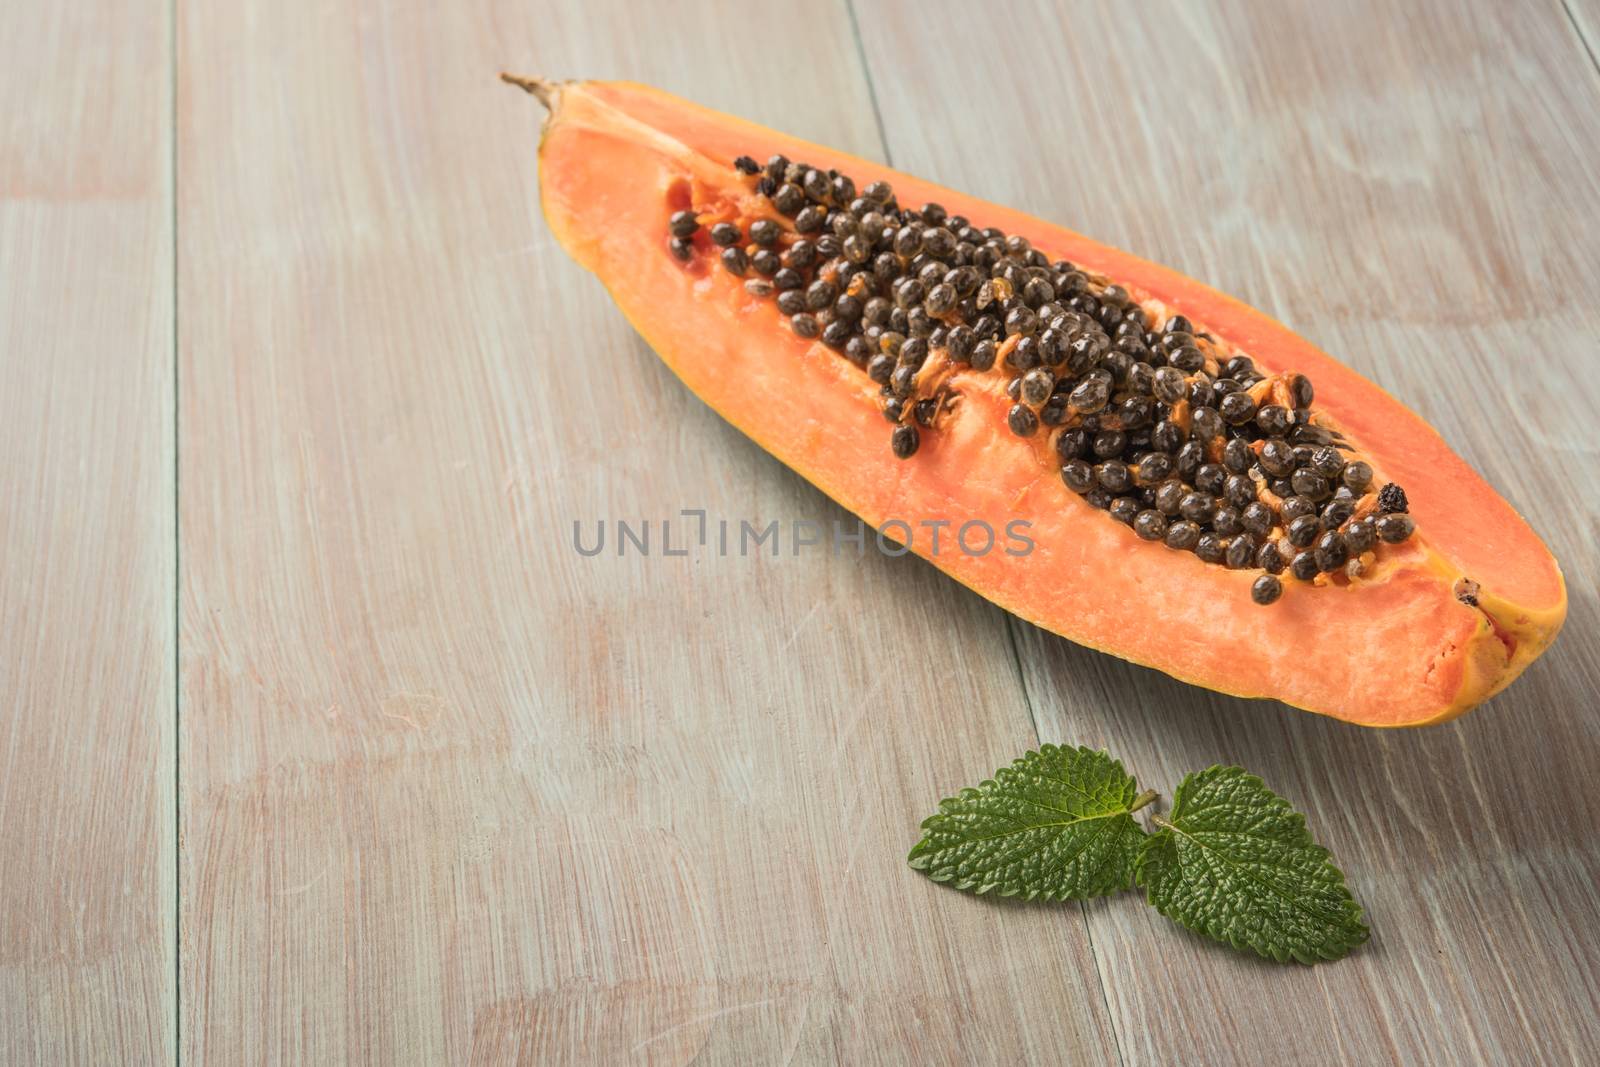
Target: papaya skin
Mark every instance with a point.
(1397, 647)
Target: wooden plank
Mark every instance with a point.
(451, 791)
(86, 578)
(1352, 173)
(1585, 18)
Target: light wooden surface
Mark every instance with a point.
(86, 524)
(449, 792)
(1406, 188)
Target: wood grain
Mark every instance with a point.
(86, 504)
(1585, 18)
(450, 791)
(1406, 187)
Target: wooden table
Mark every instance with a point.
(321, 744)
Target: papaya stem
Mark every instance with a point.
(543, 90)
(1144, 799)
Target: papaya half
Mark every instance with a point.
(1205, 492)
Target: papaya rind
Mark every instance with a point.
(1495, 643)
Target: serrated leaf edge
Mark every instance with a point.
(919, 862)
(999, 889)
(1152, 841)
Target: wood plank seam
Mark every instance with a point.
(1360, 152)
(1583, 35)
(1008, 621)
(176, 1021)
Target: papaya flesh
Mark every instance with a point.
(1429, 629)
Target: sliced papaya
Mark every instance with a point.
(1204, 492)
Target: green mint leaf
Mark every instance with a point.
(1057, 824)
(1235, 862)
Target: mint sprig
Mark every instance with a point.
(1232, 861)
(1235, 862)
(1056, 824)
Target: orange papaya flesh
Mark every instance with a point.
(1430, 629)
